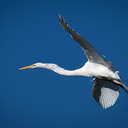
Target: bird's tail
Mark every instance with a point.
(122, 85)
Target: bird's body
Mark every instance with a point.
(107, 80)
(91, 69)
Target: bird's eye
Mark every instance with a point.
(33, 65)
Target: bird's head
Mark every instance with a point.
(35, 65)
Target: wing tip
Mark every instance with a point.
(61, 19)
(60, 16)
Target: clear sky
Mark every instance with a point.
(29, 33)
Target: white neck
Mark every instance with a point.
(60, 70)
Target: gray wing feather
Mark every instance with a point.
(89, 50)
(105, 93)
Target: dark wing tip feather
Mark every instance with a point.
(64, 23)
(60, 17)
(61, 20)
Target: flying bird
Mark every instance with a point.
(106, 79)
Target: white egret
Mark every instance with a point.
(106, 79)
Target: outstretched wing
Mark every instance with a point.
(89, 50)
(105, 93)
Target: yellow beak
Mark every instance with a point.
(27, 67)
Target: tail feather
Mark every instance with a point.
(122, 85)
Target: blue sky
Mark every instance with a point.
(41, 98)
